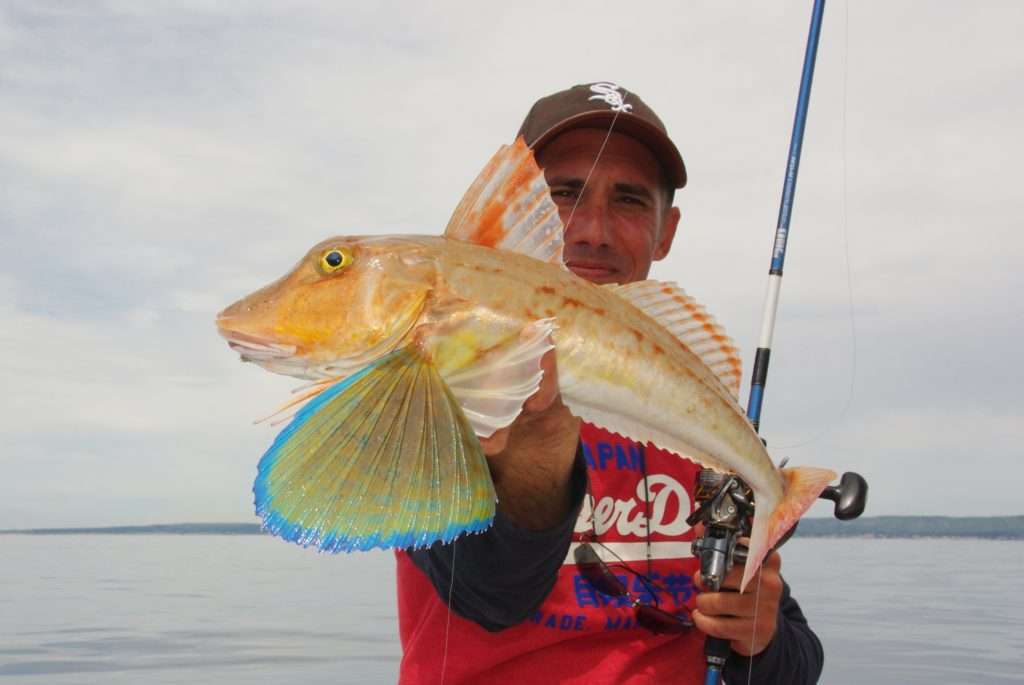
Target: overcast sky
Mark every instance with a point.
(158, 161)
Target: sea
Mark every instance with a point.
(234, 609)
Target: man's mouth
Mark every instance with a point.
(592, 271)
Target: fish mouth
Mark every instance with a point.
(256, 349)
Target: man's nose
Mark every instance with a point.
(588, 224)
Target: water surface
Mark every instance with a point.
(245, 609)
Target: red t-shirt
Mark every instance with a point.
(579, 635)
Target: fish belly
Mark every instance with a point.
(628, 389)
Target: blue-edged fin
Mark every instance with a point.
(384, 458)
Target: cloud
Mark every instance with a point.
(159, 162)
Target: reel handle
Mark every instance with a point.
(850, 496)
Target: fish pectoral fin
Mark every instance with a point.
(384, 458)
(689, 322)
(492, 387)
(509, 207)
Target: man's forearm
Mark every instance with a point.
(506, 572)
(532, 475)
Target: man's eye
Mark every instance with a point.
(631, 200)
(564, 193)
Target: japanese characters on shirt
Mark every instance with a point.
(616, 510)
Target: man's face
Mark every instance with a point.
(621, 222)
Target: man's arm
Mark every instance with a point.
(531, 460)
(502, 575)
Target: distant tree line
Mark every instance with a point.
(999, 527)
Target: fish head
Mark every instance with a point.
(348, 301)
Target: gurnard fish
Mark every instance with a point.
(418, 345)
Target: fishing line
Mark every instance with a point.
(607, 136)
(583, 188)
(448, 620)
(568, 221)
(759, 376)
(844, 226)
(597, 158)
(753, 628)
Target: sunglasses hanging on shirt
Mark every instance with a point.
(602, 579)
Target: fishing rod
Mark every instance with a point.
(726, 503)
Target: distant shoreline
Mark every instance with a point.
(988, 527)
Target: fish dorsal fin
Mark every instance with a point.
(688, 321)
(509, 207)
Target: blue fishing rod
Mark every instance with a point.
(796, 142)
(726, 503)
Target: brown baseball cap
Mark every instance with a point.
(598, 105)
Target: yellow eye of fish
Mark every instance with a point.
(335, 259)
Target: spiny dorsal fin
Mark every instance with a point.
(670, 306)
(509, 207)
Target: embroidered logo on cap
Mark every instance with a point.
(609, 92)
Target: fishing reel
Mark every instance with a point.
(726, 508)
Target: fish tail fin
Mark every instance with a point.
(803, 485)
(384, 458)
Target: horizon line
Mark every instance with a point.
(257, 528)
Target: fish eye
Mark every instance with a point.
(334, 259)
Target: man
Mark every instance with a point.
(523, 609)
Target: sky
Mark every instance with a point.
(160, 160)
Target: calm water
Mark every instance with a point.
(169, 609)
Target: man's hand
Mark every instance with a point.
(531, 459)
(730, 615)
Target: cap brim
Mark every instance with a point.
(655, 139)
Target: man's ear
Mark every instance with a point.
(667, 233)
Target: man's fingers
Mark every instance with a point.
(743, 637)
(727, 627)
(548, 390)
(747, 620)
(770, 566)
(726, 603)
(496, 443)
(543, 413)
